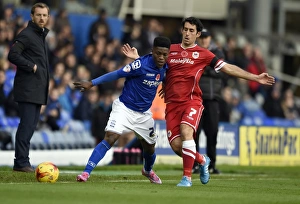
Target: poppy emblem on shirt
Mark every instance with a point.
(195, 55)
(184, 53)
(157, 77)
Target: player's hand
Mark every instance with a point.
(266, 79)
(161, 93)
(34, 68)
(130, 52)
(83, 85)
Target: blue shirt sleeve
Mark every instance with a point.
(111, 76)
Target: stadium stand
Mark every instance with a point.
(76, 134)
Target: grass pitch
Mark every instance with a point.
(124, 184)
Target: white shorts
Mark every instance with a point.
(123, 120)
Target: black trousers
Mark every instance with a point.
(29, 117)
(210, 124)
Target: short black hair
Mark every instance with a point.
(193, 21)
(162, 41)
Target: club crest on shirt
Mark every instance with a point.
(157, 77)
(195, 55)
(136, 64)
(184, 53)
(169, 133)
(127, 68)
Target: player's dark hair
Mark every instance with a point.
(162, 41)
(193, 21)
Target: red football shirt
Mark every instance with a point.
(186, 65)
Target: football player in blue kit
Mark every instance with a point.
(131, 111)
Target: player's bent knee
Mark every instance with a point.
(111, 138)
(149, 148)
(177, 149)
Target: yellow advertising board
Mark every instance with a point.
(269, 146)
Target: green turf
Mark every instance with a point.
(124, 184)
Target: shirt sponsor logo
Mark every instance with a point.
(151, 83)
(182, 61)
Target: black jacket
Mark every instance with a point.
(30, 48)
(211, 82)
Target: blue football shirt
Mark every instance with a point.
(142, 79)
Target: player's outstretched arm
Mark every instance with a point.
(130, 52)
(234, 70)
(83, 85)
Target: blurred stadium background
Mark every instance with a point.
(261, 127)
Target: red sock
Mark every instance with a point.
(199, 158)
(188, 157)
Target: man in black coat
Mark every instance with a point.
(211, 85)
(29, 54)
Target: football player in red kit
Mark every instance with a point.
(183, 96)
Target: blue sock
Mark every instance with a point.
(98, 153)
(148, 161)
